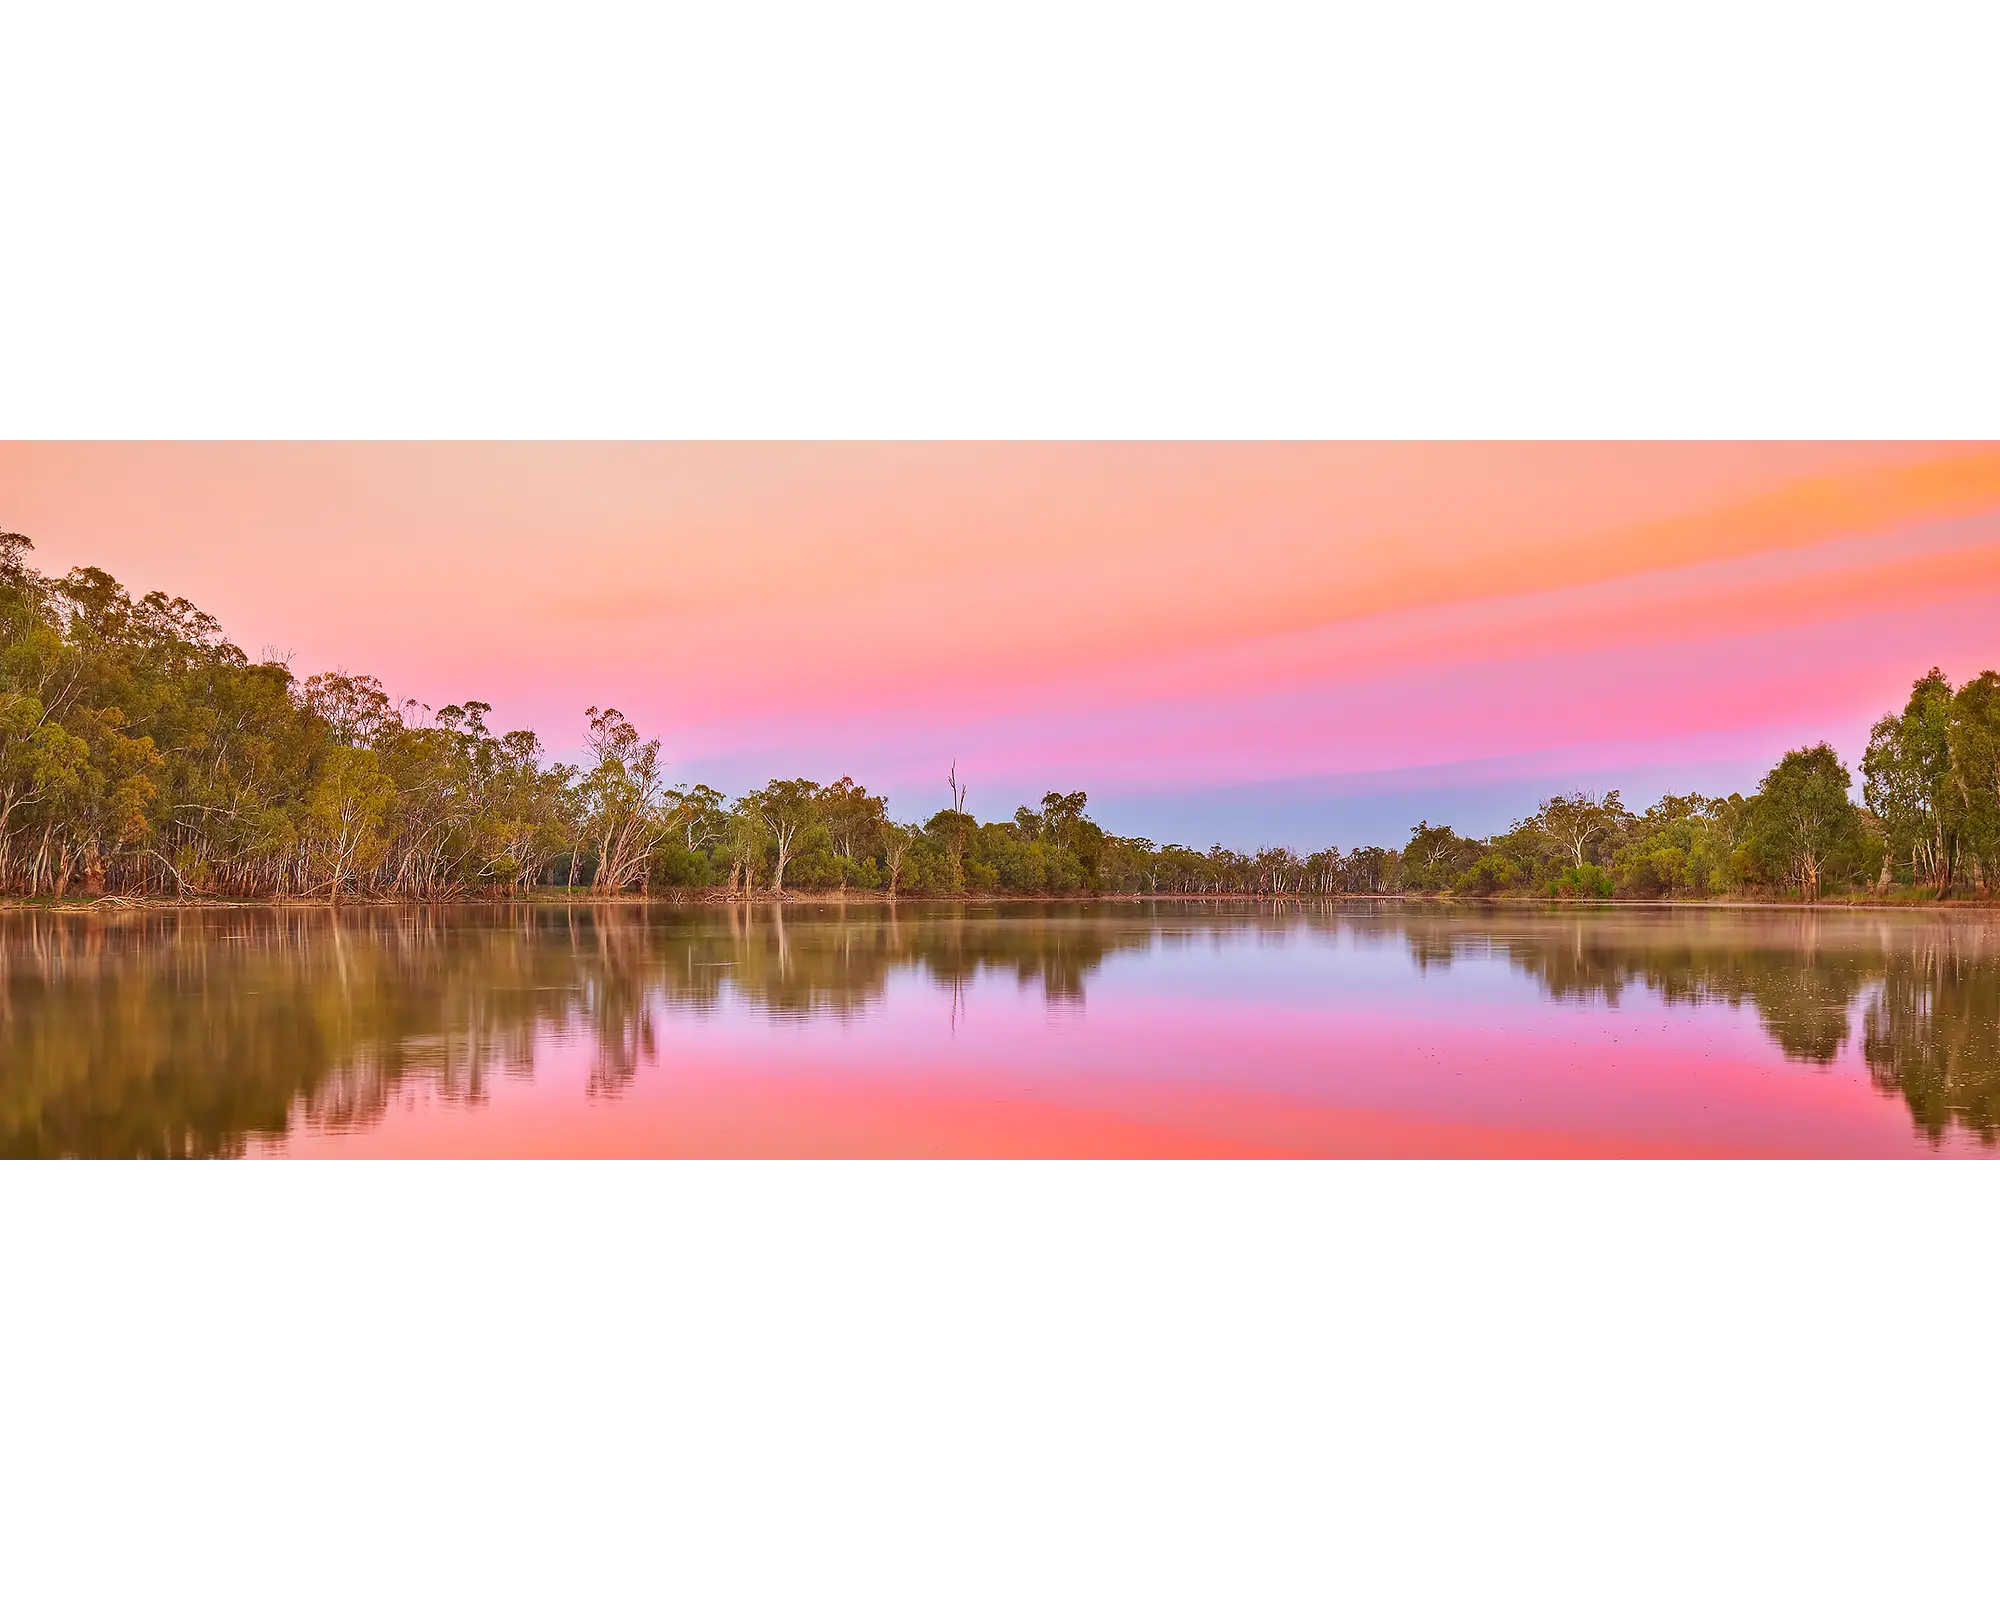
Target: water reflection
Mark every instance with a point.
(163, 1033)
(197, 1033)
(1927, 990)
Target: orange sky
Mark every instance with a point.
(1243, 641)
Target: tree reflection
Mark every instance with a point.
(1932, 1034)
(1927, 992)
(196, 1033)
(163, 1033)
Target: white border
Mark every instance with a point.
(1050, 220)
(999, 1379)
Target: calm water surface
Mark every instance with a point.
(1069, 1031)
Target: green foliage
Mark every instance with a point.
(862, 872)
(1652, 871)
(1908, 783)
(1804, 829)
(815, 866)
(1587, 882)
(674, 866)
(1679, 846)
(343, 814)
(1486, 876)
(928, 870)
(1580, 827)
(1369, 870)
(1973, 798)
(1434, 857)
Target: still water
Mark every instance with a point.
(1118, 1030)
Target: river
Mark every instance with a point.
(1152, 1029)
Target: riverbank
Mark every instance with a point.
(718, 898)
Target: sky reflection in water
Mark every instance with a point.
(1115, 1030)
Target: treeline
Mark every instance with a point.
(1929, 828)
(144, 755)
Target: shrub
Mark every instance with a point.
(1017, 862)
(1652, 873)
(1587, 882)
(813, 869)
(1062, 873)
(677, 867)
(1487, 875)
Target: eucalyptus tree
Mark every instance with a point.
(1368, 869)
(1277, 871)
(854, 819)
(102, 810)
(527, 823)
(744, 846)
(1227, 871)
(1909, 782)
(1803, 820)
(952, 829)
(1062, 818)
(344, 814)
(238, 755)
(1575, 821)
(1128, 864)
(624, 787)
(898, 838)
(38, 672)
(1975, 767)
(1173, 867)
(1669, 849)
(38, 759)
(441, 768)
(786, 807)
(356, 708)
(1434, 856)
(701, 816)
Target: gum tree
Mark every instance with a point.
(1908, 782)
(1804, 820)
(623, 788)
(786, 807)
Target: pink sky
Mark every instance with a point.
(1306, 643)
